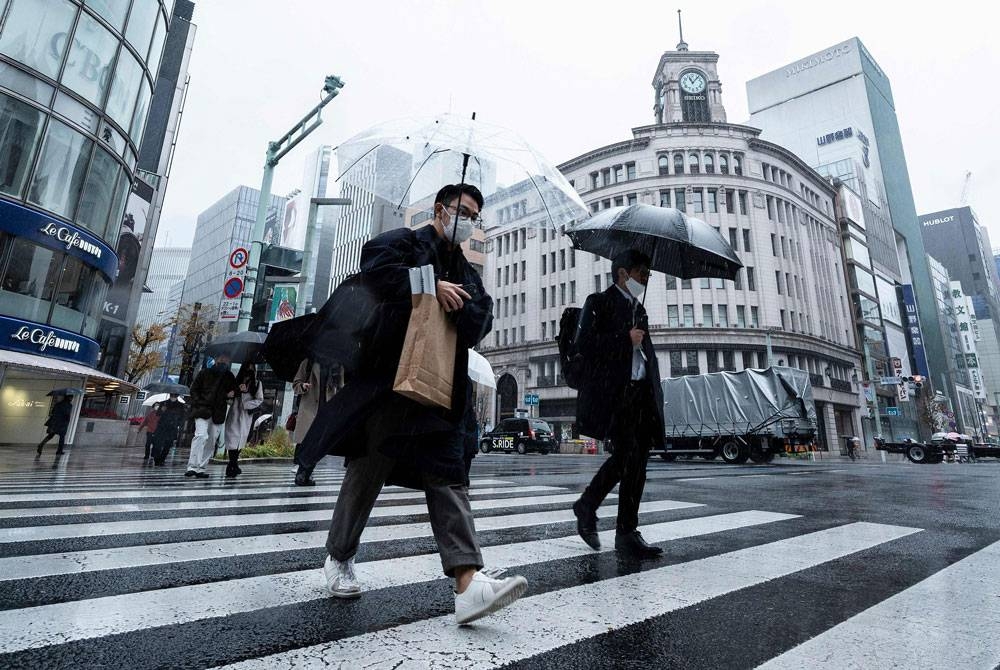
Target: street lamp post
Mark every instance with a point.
(275, 152)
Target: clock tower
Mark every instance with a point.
(687, 86)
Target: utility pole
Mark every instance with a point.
(275, 152)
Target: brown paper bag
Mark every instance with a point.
(427, 365)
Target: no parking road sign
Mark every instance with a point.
(233, 287)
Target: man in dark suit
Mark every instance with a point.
(620, 399)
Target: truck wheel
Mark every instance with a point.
(917, 454)
(734, 453)
(484, 446)
(668, 457)
(521, 448)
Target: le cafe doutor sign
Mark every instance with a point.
(36, 338)
(23, 222)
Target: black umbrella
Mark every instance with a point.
(176, 389)
(55, 392)
(245, 347)
(286, 346)
(678, 245)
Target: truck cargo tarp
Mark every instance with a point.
(736, 402)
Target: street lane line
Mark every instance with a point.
(193, 490)
(541, 623)
(84, 508)
(61, 623)
(78, 562)
(949, 620)
(61, 531)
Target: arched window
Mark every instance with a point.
(709, 164)
(693, 164)
(506, 397)
(737, 165)
(678, 163)
(664, 164)
(723, 164)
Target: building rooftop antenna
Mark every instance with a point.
(682, 45)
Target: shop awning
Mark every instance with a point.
(56, 367)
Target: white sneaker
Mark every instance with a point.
(487, 595)
(340, 579)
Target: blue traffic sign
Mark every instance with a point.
(233, 287)
(530, 399)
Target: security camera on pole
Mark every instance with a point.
(275, 152)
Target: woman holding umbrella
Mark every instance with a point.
(250, 396)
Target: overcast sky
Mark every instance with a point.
(570, 77)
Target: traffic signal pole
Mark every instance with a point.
(275, 152)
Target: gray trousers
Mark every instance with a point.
(447, 504)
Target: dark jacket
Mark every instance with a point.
(171, 421)
(422, 439)
(58, 421)
(603, 339)
(209, 392)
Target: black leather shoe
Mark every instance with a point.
(202, 475)
(304, 477)
(586, 524)
(189, 473)
(632, 543)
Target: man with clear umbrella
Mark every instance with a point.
(388, 438)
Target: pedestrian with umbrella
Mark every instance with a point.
(390, 438)
(619, 396)
(248, 397)
(168, 427)
(58, 423)
(149, 423)
(209, 393)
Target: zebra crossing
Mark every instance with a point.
(149, 570)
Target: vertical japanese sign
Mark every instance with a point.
(902, 389)
(232, 285)
(964, 313)
(913, 328)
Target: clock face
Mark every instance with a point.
(693, 82)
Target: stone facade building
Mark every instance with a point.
(791, 298)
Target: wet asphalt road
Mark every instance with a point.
(107, 562)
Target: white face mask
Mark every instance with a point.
(465, 229)
(635, 288)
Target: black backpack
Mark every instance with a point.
(570, 359)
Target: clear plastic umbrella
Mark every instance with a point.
(405, 162)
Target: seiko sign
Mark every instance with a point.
(940, 220)
(818, 59)
(44, 339)
(71, 239)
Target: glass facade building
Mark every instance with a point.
(75, 84)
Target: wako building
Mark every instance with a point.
(776, 211)
(75, 84)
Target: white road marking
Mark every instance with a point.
(18, 513)
(949, 620)
(548, 621)
(45, 625)
(60, 531)
(76, 562)
(192, 491)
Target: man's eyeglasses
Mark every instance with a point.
(465, 213)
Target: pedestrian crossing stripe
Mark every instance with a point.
(61, 623)
(191, 491)
(85, 509)
(74, 530)
(948, 620)
(541, 623)
(68, 563)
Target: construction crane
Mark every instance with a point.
(964, 200)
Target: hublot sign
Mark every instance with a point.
(818, 59)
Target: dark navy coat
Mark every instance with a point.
(603, 340)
